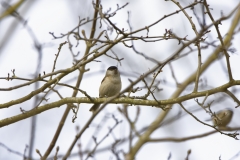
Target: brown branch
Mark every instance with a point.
(223, 46)
(197, 44)
(162, 103)
(55, 60)
(233, 97)
(190, 79)
(98, 143)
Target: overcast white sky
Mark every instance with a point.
(59, 16)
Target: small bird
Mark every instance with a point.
(110, 86)
(223, 118)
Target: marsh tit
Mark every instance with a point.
(223, 118)
(110, 86)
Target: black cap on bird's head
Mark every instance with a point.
(112, 68)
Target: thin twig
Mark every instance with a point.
(234, 135)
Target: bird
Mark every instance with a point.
(111, 85)
(222, 118)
